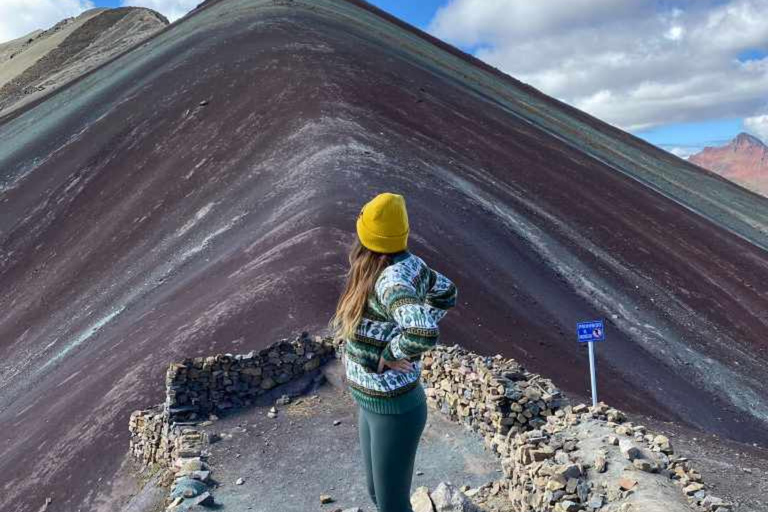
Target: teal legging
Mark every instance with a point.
(388, 443)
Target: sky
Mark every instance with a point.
(682, 74)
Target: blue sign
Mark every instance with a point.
(590, 331)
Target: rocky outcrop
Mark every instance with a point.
(589, 458)
(744, 160)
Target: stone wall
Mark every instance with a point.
(165, 437)
(149, 436)
(199, 388)
(494, 396)
(555, 457)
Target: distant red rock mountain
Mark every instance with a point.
(744, 160)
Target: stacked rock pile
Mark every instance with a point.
(590, 458)
(558, 458)
(494, 396)
(149, 435)
(189, 471)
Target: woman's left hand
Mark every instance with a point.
(403, 365)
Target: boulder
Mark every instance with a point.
(448, 498)
(420, 500)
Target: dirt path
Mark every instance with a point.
(312, 448)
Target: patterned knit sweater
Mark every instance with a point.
(399, 321)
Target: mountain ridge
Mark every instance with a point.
(45, 60)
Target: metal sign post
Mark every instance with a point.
(590, 332)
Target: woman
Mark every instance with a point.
(387, 317)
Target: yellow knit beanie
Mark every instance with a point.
(382, 224)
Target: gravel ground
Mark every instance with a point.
(312, 448)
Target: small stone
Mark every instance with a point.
(595, 502)
(644, 465)
(601, 463)
(532, 394)
(448, 498)
(205, 499)
(629, 449)
(627, 483)
(420, 501)
(326, 498)
(663, 444)
(239, 481)
(555, 485)
(693, 488)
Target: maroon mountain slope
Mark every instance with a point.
(744, 160)
(198, 195)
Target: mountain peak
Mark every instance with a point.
(743, 160)
(745, 139)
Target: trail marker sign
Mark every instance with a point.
(590, 332)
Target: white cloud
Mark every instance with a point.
(624, 61)
(20, 17)
(171, 9)
(758, 126)
(683, 152)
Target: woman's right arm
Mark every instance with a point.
(441, 295)
(417, 326)
(416, 319)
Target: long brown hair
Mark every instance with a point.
(364, 268)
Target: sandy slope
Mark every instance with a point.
(24, 53)
(139, 226)
(36, 65)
